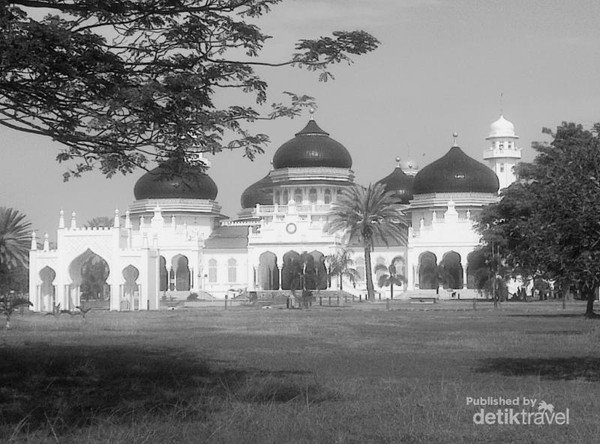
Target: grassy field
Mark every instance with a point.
(356, 374)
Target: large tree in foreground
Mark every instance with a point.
(365, 216)
(548, 223)
(120, 81)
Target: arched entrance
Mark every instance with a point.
(268, 271)
(163, 274)
(289, 271)
(320, 270)
(130, 296)
(89, 273)
(181, 273)
(47, 290)
(428, 273)
(451, 271)
(475, 262)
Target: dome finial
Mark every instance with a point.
(455, 135)
(397, 161)
(312, 113)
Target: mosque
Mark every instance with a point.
(173, 239)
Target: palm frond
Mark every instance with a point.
(15, 232)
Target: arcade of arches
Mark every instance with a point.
(298, 271)
(178, 277)
(449, 273)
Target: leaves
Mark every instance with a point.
(367, 215)
(121, 82)
(548, 222)
(15, 236)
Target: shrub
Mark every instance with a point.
(193, 297)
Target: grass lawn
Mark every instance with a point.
(356, 374)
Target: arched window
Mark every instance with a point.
(212, 270)
(277, 196)
(327, 196)
(312, 196)
(232, 270)
(286, 197)
(298, 196)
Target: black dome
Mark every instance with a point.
(167, 181)
(312, 147)
(400, 182)
(260, 193)
(455, 173)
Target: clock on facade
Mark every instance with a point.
(291, 228)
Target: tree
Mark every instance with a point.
(341, 265)
(391, 275)
(14, 249)
(100, 221)
(9, 304)
(15, 237)
(548, 222)
(367, 215)
(120, 81)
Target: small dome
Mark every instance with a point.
(260, 193)
(312, 147)
(502, 128)
(170, 181)
(400, 182)
(455, 173)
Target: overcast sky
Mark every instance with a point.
(441, 67)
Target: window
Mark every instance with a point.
(212, 270)
(312, 196)
(501, 167)
(232, 270)
(277, 196)
(298, 196)
(327, 196)
(286, 197)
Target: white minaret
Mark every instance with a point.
(503, 153)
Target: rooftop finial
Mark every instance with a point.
(312, 113)
(455, 135)
(397, 161)
(501, 103)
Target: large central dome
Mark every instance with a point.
(455, 173)
(312, 147)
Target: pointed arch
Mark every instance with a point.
(163, 274)
(268, 271)
(47, 288)
(475, 261)
(320, 269)
(181, 271)
(130, 289)
(288, 272)
(428, 271)
(451, 270)
(89, 271)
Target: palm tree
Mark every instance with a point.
(15, 238)
(366, 215)
(391, 275)
(341, 265)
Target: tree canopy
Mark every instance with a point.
(119, 82)
(547, 224)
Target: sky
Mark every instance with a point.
(443, 67)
